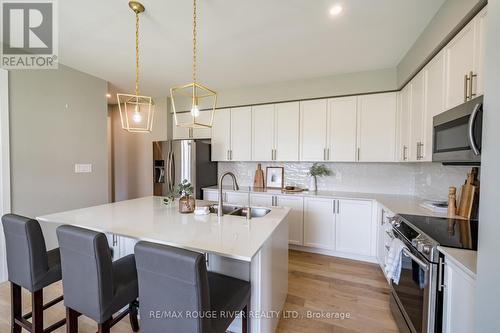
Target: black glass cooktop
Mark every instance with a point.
(447, 231)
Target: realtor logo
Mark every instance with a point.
(29, 36)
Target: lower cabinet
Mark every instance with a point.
(319, 223)
(353, 227)
(458, 300)
(122, 246)
(383, 238)
(295, 218)
(236, 198)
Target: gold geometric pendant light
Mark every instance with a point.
(136, 111)
(194, 96)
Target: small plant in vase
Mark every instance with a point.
(318, 170)
(187, 202)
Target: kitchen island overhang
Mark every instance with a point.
(255, 250)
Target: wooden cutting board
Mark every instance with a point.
(467, 197)
(258, 181)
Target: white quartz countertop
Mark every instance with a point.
(149, 219)
(397, 204)
(465, 259)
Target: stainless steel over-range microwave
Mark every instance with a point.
(457, 134)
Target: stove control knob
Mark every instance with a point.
(395, 222)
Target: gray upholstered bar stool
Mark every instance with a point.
(173, 279)
(94, 285)
(31, 267)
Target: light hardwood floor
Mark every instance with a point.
(320, 284)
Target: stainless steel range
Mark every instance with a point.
(416, 302)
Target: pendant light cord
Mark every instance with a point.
(137, 53)
(194, 41)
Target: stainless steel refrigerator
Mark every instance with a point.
(177, 160)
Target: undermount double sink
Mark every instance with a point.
(240, 211)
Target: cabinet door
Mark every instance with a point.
(261, 200)
(241, 134)
(342, 129)
(353, 227)
(287, 131)
(221, 135)
(237, 198)
(377, 127)
(319, 222)
(434, 101)
(383, 238)
(181, 132)
(417, 117)
(458, 300)
(313, 130)
(295, 218)
(404, 123)
(263, 125)
(203, 133)
(480, 47)
(459, 62)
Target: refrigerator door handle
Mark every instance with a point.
(171, 168)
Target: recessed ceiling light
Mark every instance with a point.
(108, 95)
(336, 10)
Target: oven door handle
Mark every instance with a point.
(422, 264)
(472, 121)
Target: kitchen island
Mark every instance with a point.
(255, 250)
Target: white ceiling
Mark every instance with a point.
(241, 43)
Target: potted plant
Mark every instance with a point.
(318, 170)
(187, 202)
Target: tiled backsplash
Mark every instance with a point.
(426, 180)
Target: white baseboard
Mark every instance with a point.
(332, 253)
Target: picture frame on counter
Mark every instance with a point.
(275, 177)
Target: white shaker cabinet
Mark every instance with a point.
(434, 101)
(342, 129)
(241, 134)
(232, 134)
(221, 135)
(295, 218)
(287, 132)
(417, 115)
(262, 200)
(404, 116)
(465, 63)
(263, 125)
(459, 297)
(313, 130)
(275, 132)
(237, 198)
(377, 127)
(192, 133)
(319, 223)
(354, 226)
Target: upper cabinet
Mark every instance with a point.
(464, 57)
(342, 121)
(417, 114)
(232, 135)
(221, 135)
(313, 130)
(377, 127)
(192, 133)
(434, 76)
(275, 132)
(404, 116)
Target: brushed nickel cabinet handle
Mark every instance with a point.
(359, 154)
(471, 83)
(405, 149)
(466, 84)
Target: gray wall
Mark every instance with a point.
(343, 84)
(57, 119)
(451, 13)
(488, 275)
(133, 154)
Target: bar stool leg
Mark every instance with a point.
(104, 327)
(244, 320)
(37, 304)
(71, 321)
(134, 323)
(16, 307)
